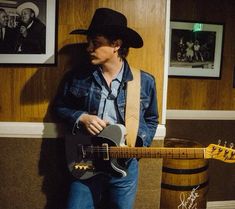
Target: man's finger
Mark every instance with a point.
(91, 131)
(102, 123)
(94, 128)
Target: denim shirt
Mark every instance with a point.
(82, 94)
(107, 108)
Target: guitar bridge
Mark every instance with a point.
(105, 152)
(83, 166)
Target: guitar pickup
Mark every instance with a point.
(105, 151)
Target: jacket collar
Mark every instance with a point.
(127, 74)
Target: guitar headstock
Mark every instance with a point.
(223, 153)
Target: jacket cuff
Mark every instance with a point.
(77, 124)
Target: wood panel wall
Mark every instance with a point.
(33, 171)
(27, 91)
(201, 93)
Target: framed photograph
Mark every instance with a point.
(28, 34)
(195, 49)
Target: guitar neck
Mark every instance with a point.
(155, 152)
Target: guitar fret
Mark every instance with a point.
(155, 152)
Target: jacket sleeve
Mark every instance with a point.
(64, 106)
(149, 116)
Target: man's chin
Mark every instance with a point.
(26, 22)
(95, 62)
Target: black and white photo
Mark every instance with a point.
(27, 31)
(195, 49)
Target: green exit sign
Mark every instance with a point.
(197, 27)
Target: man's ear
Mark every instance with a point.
(32, 15)
(117, 44)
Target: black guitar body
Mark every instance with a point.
(88, 155)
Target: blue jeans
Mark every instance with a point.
(105, 192)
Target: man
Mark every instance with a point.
(7, 35)
(32, 31)
(189, 50)
(97, 98)
(197, 51)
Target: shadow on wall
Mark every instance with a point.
(52, 163)
(44, 83)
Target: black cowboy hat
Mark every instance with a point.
(109, 22)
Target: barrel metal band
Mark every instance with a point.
(184, 188)
(185, 171)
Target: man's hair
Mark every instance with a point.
(32, 12)
(2, 10)
(124, 49)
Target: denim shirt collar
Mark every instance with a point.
(126, 74)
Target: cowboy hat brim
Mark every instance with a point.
(131, 37)
(28, 5)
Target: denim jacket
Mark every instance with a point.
(81, 94)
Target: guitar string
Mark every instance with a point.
(161, 151)
(146, 148)
(144, 151)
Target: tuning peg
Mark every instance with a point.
(225, 143)
(231, 145)
(219, 142)
(232, 154)
(227, 158)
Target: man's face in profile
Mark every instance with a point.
(101, 49)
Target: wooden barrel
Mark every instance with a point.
(184, 181)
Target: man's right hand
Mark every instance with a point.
(93, 123)
(23, 31)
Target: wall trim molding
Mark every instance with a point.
(45, 130)
(166, 60)
(200, 115)
(230, 204)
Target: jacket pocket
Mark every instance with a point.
(79, 91)
(79, 96)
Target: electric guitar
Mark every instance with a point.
(88, 156)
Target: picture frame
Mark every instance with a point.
(30, 49)
(195, 49)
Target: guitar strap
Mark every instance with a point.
(133, 108)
